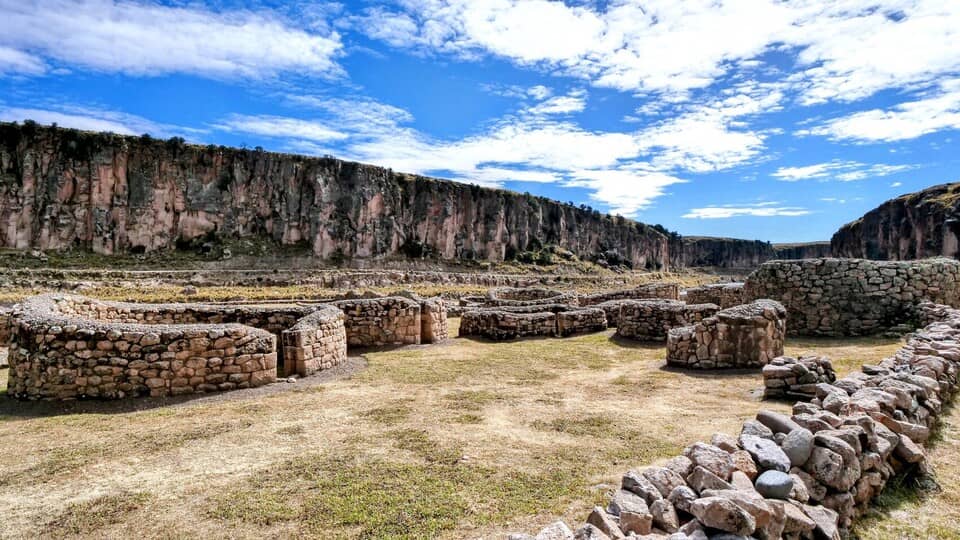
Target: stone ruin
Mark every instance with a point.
(550, 320)
(745, 336)
(651, 320)
(650, 291)
(853, 297)
(803, 476)
(69, 347)
(796, 378)
(725, 295)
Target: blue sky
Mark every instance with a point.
(749, 118)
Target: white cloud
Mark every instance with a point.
(573, 102)
(848, 49)
(844, 171)
(19, 62)
(539, 92)
(151, 39)
(896, 184)
(280, 127)
(935, 111)
(94, 119)
(767, 209)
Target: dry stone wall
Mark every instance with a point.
(725, 295)
(316, 342)
(750, 335)
(796, 378)
(651, 320)
(852, 297)
(510, 322)
(665, 291)
(805, 476)
(377, 322)
(55, 355)
(521, 296)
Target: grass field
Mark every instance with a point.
(464, 439)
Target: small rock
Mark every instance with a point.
(682, 497)
(701, 479)
(723, 514)
(778, 423)
(589, 532)
(555, 531)
(626, 501)
(765, 453)
(664, 516)
(711, 458)
(605, 523)
(797, 446)
(752, 427)
(638, 484)
(632, 522)
(774, 485)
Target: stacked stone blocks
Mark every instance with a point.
(743, 336)
(651, 320)
(853, 297)
(725, 295)
(796, 378)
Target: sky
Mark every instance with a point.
(760, 119)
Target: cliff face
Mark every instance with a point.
(914, 226)
(108, 193)
(803, 250)
(725, 252)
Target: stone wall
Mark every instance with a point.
(378, 322)
(433, 320)
(725, 295)
(796, 378)
(806, 476)
(497, 324)
(57, 355)
(580, 321)
(665, 291)
(651, 320)
(852, 297)
(527, 296)
(750, 335)
(509, 322)
(316, 342)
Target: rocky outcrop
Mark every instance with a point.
(802, 250)
(700, 251)
(108, 193)
(914, 226)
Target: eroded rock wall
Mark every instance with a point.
(914, 226)
(108, 193)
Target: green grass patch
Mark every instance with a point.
(87, 517)
(349, 497)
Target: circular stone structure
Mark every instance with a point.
(70, 347)
(651, 320)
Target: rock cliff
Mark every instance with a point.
(703, 251)
(108, 193)
(913, 226)
(802, 250)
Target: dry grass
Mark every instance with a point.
(465, 439)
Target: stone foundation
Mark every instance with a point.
(521, 296)
(806, 476)
(743, 336)
(796, 378)
(503, 323)
(853, 297)
(650, 291)
(378, 322)
(651, 320)
(57, 355)
(725, 295)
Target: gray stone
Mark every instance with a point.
(797, 446)
(723, 514)
(637, 483)
(752, 427)
(765, 453)
(774, 485)
(606, 523)
(626, 501)
(555, 531)
(778, 423)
